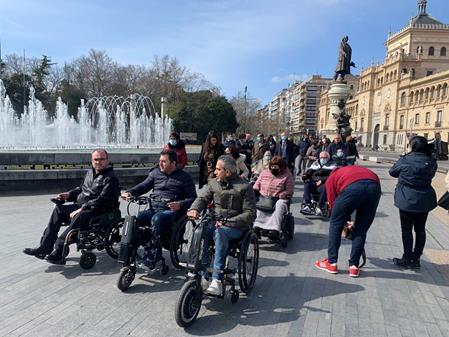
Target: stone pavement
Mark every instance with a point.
(291, 297)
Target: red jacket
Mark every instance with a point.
(344, 176)
(181, 153)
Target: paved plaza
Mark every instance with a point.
(291, 297)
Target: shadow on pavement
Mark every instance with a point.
(263, 308)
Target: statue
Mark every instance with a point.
(343, 126)
(344, 60)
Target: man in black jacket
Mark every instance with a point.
(173, 193)
(286, 149)
(97, 194)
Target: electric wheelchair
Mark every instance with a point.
(137, 243)
(102, 232)
(245, 250)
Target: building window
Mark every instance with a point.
(401, 122)
(416, 119)
(387, 120)
(439, 112)
(427, 118)
(443, 51)
(385, 139)
(403, 99)
(431, 51)
(444, 93)
(411, 97)
(429, 73)
(426, 135)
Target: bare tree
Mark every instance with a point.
(246, 107)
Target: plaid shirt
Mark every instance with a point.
(280, 186)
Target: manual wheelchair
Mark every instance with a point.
(245, 250)
(285, 233)
(102, 232)
(325, 210)
(137, 243)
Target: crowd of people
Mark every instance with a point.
(233, 172)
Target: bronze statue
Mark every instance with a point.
(344, 60)
(343, 124)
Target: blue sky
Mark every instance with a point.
(261, 44)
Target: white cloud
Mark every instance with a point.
(289, 78)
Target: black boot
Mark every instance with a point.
(415, 264)
(56, 256)
(38, 252)
(403, 262)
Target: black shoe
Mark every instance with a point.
(415, 264)
(55, 258)
(402, 262)
(38, 252)
(299, 173)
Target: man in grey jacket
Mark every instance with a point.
(234, 200)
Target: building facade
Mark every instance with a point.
(408, 93)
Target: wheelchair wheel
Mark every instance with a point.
(180, 242)
(66, 251)
(87, 260)
(112, 238)
(125, 279)
(283, 239)
(189, 304)
(290, 226)
(248, 263)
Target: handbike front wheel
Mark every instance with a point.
(125, 279)
(189, 304)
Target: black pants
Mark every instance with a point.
(60, 216)
(416, 221)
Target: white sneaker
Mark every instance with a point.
(204, 284)
(318, 211)
(306, 209)
(215, 288)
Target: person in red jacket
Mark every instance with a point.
(349, 189)
(175, 143)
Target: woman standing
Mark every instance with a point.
(175, 143)
(212, 149)
(415, 198)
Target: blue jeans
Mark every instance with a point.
(161, 222)
(221, 236)
(363, 197)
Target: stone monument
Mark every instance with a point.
(339, 92)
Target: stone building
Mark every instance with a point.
(408, 93)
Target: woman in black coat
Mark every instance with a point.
(415, 198)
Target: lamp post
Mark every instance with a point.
(163, 102)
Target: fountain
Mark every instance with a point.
(110, 122)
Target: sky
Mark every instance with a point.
(261, 44)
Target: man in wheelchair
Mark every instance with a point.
(173, 193)
(97, 194)
(235, 201)
(314, 183)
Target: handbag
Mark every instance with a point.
(266, 204)
(444, 201)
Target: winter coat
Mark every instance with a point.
(178, 186)
(280, 186)
(414, 192)
(98, 191)
(234, 200)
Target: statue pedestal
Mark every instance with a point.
(338, 91)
